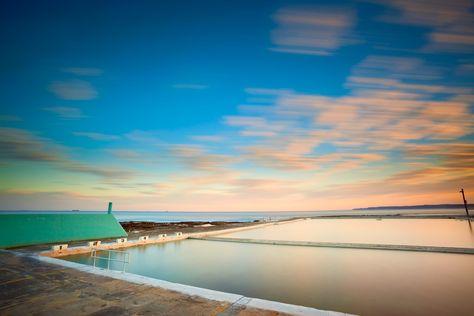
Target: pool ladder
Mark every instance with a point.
(124, 257)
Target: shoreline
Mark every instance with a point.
(137, 228)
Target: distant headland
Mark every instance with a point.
(414, 207)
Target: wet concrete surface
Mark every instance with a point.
(31, 287)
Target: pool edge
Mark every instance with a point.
(192, 290)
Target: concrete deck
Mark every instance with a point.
(32, 287)
(38, 285)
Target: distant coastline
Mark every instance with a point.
(415, 207)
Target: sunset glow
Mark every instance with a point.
(245, 106)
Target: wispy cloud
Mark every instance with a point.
(141, 136)
(396, 67)
(197, 158)
(191, 86)
(207, 138)
(465, 69)
(254, 126)
(83, 71)
(23, 145)
(10, 118)
(73, 90)
(422, 180)
(97, 136)
(312, 30)
(452, 22)
(388, 110)
(68, 113)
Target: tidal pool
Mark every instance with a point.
(423, 232)
(364, 282)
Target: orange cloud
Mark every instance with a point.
(312, 31)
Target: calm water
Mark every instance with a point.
(170, 217)
(160, 216)
(366, 282)
(425, 232)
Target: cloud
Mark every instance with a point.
(465, 69)
(393, 103)
(207, 138)
(452, 22)
(399, 86)
(66, 112)
(83, 71)
(395, 67)
(10, 118)
(97, 136)
(136, 156)
(312, 31)
(73, 90)
(40, 200)
(254, 126)
(141, 136)
(23, 145)
(191, 86)
(107, 172)
(430, 182)
(197, 158)
(126, 154)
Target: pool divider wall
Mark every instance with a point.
(17, 230)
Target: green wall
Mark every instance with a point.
(31, 229)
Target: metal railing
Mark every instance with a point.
(125, 257)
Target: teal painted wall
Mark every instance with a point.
(31, 229)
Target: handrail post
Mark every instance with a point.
(465, 205)
(124, 259)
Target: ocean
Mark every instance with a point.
(174, 216)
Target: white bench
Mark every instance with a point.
(59, 247)
(94, 243)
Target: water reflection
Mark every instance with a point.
(425, 232)
(364, 282)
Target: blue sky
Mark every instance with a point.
(253, 105)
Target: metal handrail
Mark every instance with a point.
(125, 260)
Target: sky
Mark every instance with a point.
(235, 105)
